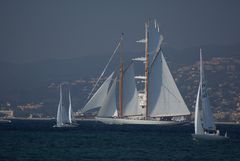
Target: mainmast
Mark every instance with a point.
(121, 78)
(146, 67)
(201, 67)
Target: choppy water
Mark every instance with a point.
(38, 141)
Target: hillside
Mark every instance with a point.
(32, 87)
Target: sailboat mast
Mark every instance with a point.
(146, 67)
(201, 67)
(121, 79)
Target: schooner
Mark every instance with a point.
(159, 104)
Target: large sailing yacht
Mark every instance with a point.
(161, 102)
(203, 122)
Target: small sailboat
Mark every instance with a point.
(64, 119)
(5, 121)
(159, 103)
(204, 125)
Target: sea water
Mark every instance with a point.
(25, 140)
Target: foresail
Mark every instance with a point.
(197, 121)
(164, 97)
(130, 94)
(208, 122)
(108, 108)
(98, 98)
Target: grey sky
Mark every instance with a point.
(42, 29)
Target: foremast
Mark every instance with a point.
(120, 104)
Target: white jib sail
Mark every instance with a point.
(208, 122)
(130, 94)
(109, 108)
(98, 98)
(70, 109)
(198, 121)
(164, 98)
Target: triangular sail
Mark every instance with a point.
(59, 111)
(197, 121)
(70, 109)
(208, 122)
(164, 98)
(98, 98)
(62, 117)
(130, 94)
(109, 108)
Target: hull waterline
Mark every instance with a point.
(124, 121)
(209, 137)
(66, 126)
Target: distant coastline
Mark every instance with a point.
(23, 118)
(92, 119)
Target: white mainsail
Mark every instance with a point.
(198, 121)
(109, 108)
(59, 111)
(70, 109)
(208, 122)
(62, 117)
(164, 97)
(130, 94)
(98, 98)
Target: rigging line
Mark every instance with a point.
(104, 70)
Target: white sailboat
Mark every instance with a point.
(64, 119)
(204, 126)
(161, 102)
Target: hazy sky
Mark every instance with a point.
(33, 30)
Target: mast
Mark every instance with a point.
(121, 79)
(146, 67)
(201, 68)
